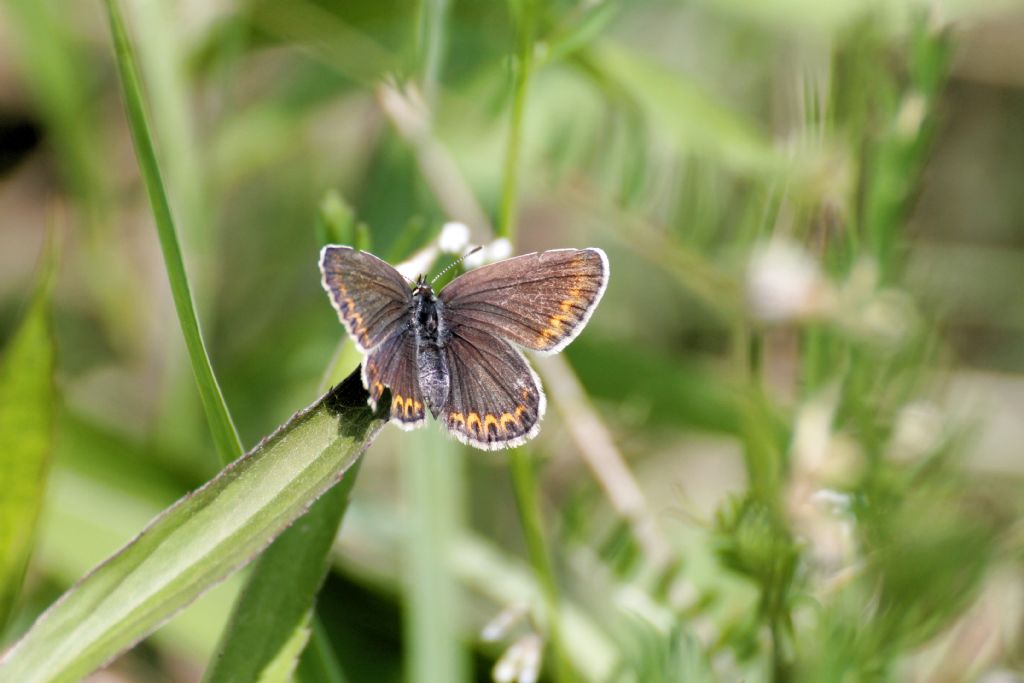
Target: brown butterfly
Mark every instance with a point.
(457, 353)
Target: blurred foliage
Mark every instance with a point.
(809, 359)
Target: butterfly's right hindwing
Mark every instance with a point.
(393, 364)
(371, 298)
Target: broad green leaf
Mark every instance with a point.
(269, 627)
(197, 542)
(26, 438)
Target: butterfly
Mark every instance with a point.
(457, 353)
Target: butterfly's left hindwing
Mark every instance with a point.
(371, 298)
(495, 400)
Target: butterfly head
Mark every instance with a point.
(422, 288)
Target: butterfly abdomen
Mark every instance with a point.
(432, 369)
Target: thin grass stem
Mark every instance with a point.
(510, 188)
(432, 45)
(225, 435)
(524, 478)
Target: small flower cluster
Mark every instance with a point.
(454, 239)
(785, 283)
(521, 661)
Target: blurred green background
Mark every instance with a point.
(786, 448)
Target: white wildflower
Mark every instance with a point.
(911, 115)
(419, 263)
(1000, 676)
(498, 627)
(497, 250)
(920, 429)
(784, 282)
(521, 661)
(823, 458)
(454, 237)
(889, 318)
(813, 432)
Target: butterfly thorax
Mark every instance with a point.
(431, 337)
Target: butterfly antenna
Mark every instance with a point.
(456, 262)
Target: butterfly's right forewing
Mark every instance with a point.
(538, 301)
(371, 298)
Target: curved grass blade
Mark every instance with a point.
(692, 117)
(198, 541)
(225, 435)
(26, 436)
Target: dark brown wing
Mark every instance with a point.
(539, 301)
(372, 299)
(495, 400)
(393, 364)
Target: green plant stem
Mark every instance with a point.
(780, 668)
(524, 478)
(225, 436)
(523, 475)
(433, 483)
(509, 195)
(432, 18)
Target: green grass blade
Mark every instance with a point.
(696, 121)
(197, 542)
(225, 435)
(524, 477)
(26, 437)
(313, 666)
(269, 626)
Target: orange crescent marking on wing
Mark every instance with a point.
(489, 420)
